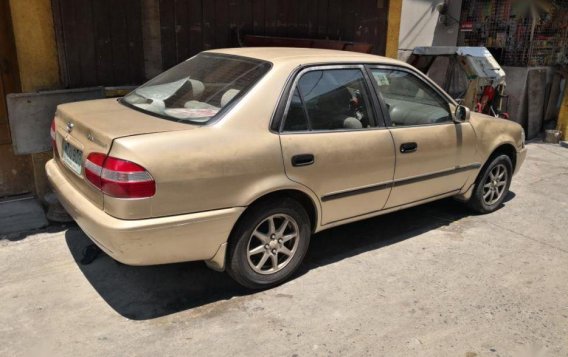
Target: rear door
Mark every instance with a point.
(333, 143)
(434, 155)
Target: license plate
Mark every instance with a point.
(73, 157)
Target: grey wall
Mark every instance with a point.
(517, 92)
(30, 115)
(421, 25)
(527, 88)
(447, 30)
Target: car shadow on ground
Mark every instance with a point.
(52, 228)
(142, 293)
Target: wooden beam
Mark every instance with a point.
(393, 28)
(563, 114)
(15, 171)
(35, 44)
(34, 34)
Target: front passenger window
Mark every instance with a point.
(410, 101)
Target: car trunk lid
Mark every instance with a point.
(91, 126)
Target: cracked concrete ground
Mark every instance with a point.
(429, 281)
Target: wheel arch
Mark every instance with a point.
(218, 261)
(503, 149)
(302, 197)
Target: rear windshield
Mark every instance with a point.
(198, 89)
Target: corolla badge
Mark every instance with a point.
(92, 138)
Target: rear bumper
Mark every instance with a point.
(195, 236)
(521, 156)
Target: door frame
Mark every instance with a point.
(380, 111)
(277, 121)
(279, 117)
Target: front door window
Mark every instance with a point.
(409, 100)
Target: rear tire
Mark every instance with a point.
(269, 243)
(492, 185)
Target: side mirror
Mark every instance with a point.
(462, 114)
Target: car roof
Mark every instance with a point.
(304, 56)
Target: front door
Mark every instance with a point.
(434, 155)
(332, 143)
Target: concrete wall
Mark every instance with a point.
(422, 25)
(517, 92)
(526, 88)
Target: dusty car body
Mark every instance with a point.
(265, 150)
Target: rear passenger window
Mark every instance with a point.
(333, 99)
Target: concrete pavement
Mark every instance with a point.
(429, 281)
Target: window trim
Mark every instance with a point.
(444, 96)
(280, 114)
(304, 110)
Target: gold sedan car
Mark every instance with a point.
(237, 156)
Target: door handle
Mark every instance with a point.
(302, 160)
(408, 147)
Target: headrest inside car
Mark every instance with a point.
(197, 88)
(352, 123)
(228, 96)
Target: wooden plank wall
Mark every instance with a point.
(15, 171)
(190, 26)
(99, 42)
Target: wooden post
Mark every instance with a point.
(32, 22)
(563, 115)
(393, 28)
(16, 175)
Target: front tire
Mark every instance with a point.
(492, 185)
(269, 243)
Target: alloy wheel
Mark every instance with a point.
(273, 243)
(495, 184)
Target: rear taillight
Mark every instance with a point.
(94, 169)
(53, 136)
(119, 178)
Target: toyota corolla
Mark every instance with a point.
(237, 156)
